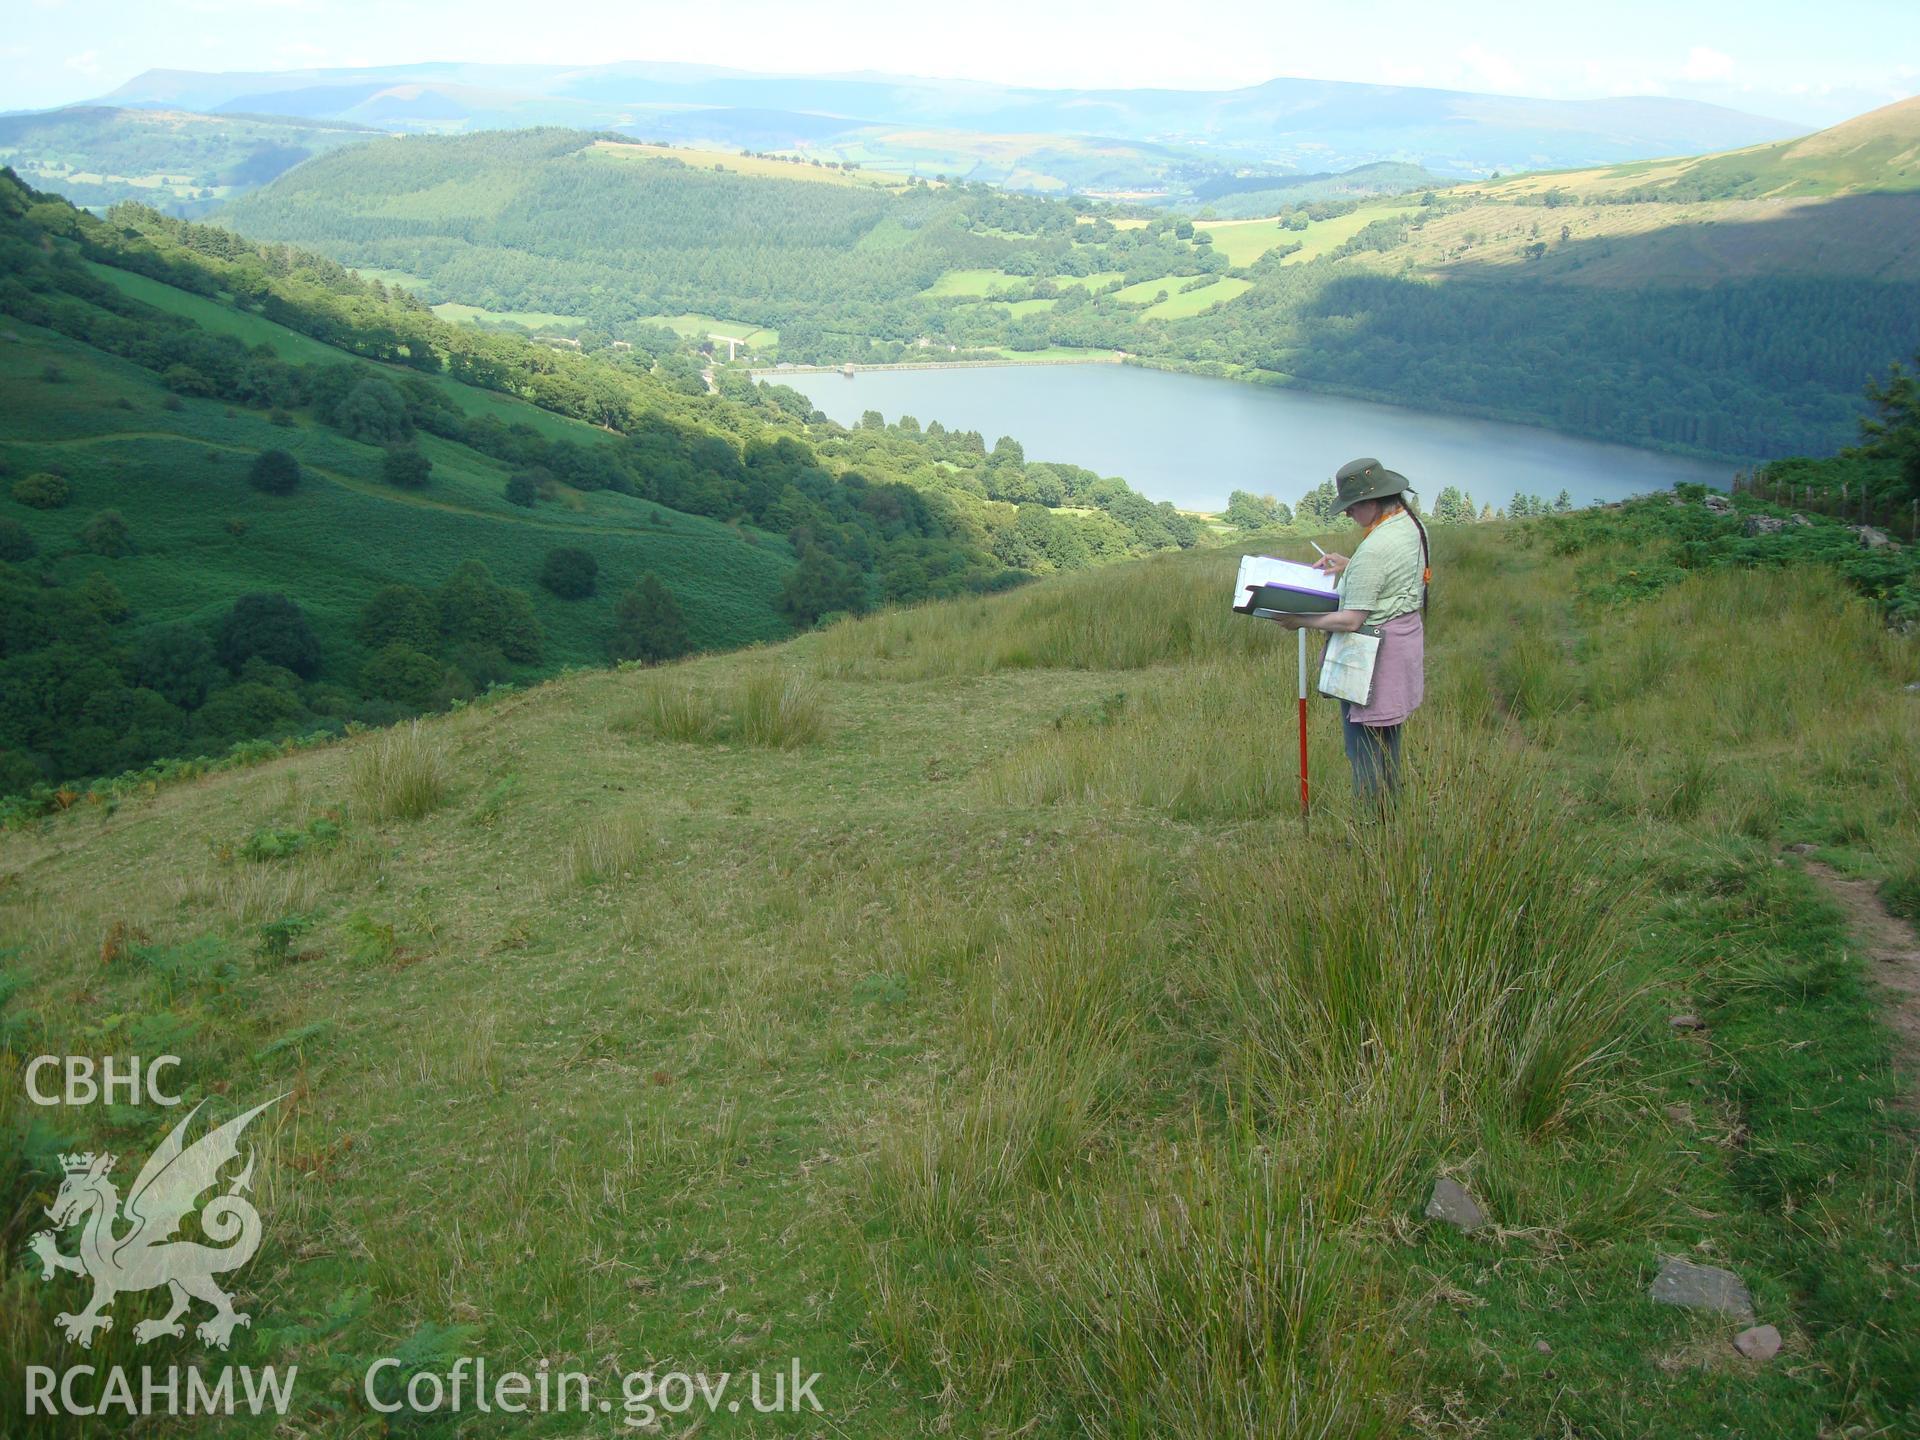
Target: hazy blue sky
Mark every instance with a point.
(1810, 62)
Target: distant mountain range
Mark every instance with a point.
(1170, 140)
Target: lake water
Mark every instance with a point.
(1191, 440)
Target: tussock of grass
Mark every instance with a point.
(773, 708)
(401, 774)
(1469, 942)
(778, 709)
(1362, 999)
(608, 848)
(672, 710)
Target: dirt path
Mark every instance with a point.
(1894, 952)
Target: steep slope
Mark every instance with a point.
(247, 455)
(1876, 153)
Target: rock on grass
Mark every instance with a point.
(1701, 1287)
(1762, 1342)
(1453, 1204)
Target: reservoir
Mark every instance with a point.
(1192, 440)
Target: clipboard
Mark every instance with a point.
(1267, 586)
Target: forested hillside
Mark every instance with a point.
(252, 495)
(1730, 326)
(617, 234)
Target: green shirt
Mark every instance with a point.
(1384, 576)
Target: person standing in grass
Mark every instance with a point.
(1383, 591)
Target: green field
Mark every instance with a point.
(1019, 308)
(219, 319)
(1245, 241)
(467, 314)
(955, 1001)
(1143, 292)
(526, 319)
(1322, 237)
(700, 327)
(1182, 303)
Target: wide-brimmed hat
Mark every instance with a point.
(1365, 479)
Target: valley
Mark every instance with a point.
(1656, 306)
(625, 673)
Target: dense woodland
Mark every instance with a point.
(880, 514)
(545, 221)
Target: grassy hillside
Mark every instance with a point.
(257, 495)
(178, 476)
(954, 1000)
(1873, 153)
(175, 160)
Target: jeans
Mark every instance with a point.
(1374, 753)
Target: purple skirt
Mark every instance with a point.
(1399, 674)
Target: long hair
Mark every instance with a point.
(1403, 499)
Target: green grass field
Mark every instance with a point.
(1182, 303)
(1321, 237)
(954, 1000)
(699, 327)
(1142, 292)
(526, 319)
(179, 477)
(1019, 308)
(1245, 241)
(218, 319)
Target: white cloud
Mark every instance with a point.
(87, 62)
(1394, 73)
(1706, 64)
(1494, 71)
